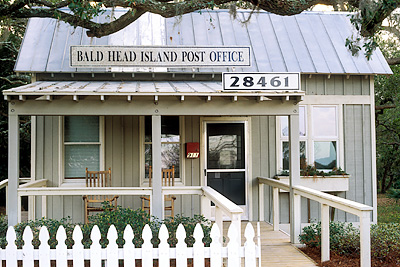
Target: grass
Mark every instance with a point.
(388, 210)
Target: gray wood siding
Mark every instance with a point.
(122, 154)
(263, 148)
(335, 85)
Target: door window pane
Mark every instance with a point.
(285, 153)
(225, 146)
(229, 184)
(324, 121)
(325, 155)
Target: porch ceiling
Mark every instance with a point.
(46, 90)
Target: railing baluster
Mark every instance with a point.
(365, 239)
(325, 244)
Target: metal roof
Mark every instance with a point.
(44, 90)
(311, 42)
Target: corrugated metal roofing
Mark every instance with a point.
(311, 42)
(132, 88)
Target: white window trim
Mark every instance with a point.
(178, 181)
(78, 182)
(309, 138)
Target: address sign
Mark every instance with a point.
(159, 56)
(261, 81)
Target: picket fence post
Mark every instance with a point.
(44, 248)
(112, 247)
(27, 249)
(95, 248)
(147, 247)
(11, 249)
(181, 247)
(233, 247)
(129, 247)
(198, 247)
(77, 249)
(61, 248)
(112, 254)
(163, 248)
(249, 247)
(215, 247)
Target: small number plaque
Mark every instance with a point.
(261, 81)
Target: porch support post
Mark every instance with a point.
(294, 178)
(13, 168)
(157, 197)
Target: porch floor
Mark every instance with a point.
(276, 249)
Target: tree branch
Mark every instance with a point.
(393, 61)
(372, 12)
(384, 107)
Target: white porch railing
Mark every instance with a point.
(222, 204)
(233, 252)
(326, 201)
(4, 184)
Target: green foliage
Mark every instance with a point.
(345, 239)
(310, 170)
(388, 211)
(86, 10)
(11, 33)
(120, 218)
(387, 100)
(385, 240)
(394, 193)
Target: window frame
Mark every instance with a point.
(310, 137)
(63, 181)
(178, 180)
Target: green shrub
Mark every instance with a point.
(345, 239)
(394, 193)
(120, 218)
(385, 240)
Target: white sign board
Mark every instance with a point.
(159, 56)
(257, 81)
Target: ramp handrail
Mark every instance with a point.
(326, 201)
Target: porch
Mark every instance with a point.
(277, 243)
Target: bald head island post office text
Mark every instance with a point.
(218, 101)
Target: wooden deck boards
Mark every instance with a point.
(276, 249)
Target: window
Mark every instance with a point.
(319, 137)
(170, 143)
(82, 145)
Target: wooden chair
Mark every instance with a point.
(94, 203)
(168, 179)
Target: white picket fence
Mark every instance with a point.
(111, 255)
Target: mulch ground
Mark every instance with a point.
(344, 261)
